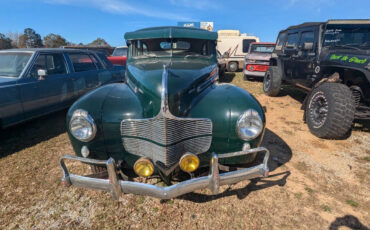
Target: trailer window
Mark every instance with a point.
(246, 44)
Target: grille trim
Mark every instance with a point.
(165, 137)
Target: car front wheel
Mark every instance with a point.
(330, 111)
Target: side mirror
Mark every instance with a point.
(307, 46)
(42, 73)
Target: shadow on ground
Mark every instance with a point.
(280, 154)
(227, 77)
(17, 138)
(348, 221)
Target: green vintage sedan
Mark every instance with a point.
(169, 120)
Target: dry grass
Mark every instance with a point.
(314, 183)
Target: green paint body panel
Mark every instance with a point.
(171, 32)
(190, 94)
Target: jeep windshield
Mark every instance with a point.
(347, 36)
(256, 48)
(12, 63)
(172, 48)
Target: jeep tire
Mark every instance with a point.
(272, 81)
(330, 111)
(232, 66)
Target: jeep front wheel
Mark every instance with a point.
(272, 81)
(330, 111)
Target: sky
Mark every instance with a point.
(85, 20)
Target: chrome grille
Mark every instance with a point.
(166, 138)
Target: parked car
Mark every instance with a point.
(169, 119)
(119, 56)
(331, 62)
(35, 82)
(258, 59)
(234, 46)
(221, 63)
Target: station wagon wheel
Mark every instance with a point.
(330, 111)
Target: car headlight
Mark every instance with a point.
(82, 126)
(249, 125)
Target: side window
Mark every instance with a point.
(105, 60)
(292, 40)
(96, 62)
(280, 41)
(307, 37)
(53, 63)
(82, 62)
(246, 43)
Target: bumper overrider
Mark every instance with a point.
(213, 181)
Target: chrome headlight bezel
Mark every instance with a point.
(82, 116)
(249, 125)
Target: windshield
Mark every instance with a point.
(347, 35)
(175, 47)
(120, 52)
(12, 64)
(261, 48)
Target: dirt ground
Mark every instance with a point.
(314, 183)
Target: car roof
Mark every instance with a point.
(47, 50)
(171, 32)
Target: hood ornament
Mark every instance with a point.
(164, 91)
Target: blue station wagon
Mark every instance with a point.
(35, 82)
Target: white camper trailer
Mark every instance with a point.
(236, 46)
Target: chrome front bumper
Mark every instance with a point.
(213, 181)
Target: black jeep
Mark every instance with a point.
(331, 62)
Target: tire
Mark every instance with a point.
(272, 81)
(95, 169)
(232, 67)
(330, 111)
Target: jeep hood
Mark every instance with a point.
(187, 78)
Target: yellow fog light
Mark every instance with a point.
(144, 167)
(189, 162)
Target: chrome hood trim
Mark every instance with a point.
(165, 137)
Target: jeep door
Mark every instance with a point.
(41, 95)
(290, 53)
(304, 62)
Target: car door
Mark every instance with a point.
(304, 63)
(290, 52)
(41, 95)
(85, 75)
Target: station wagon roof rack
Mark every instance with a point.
(171, 32)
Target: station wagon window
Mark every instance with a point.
(246, 44)
(81, 62)
(292, 40)
(307, 37)
(54, 64)
(181, 47)
(96, 62)
(280, 41)
(105, 60)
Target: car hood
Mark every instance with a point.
(187, 78)
(5, 81)
(258, 56)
